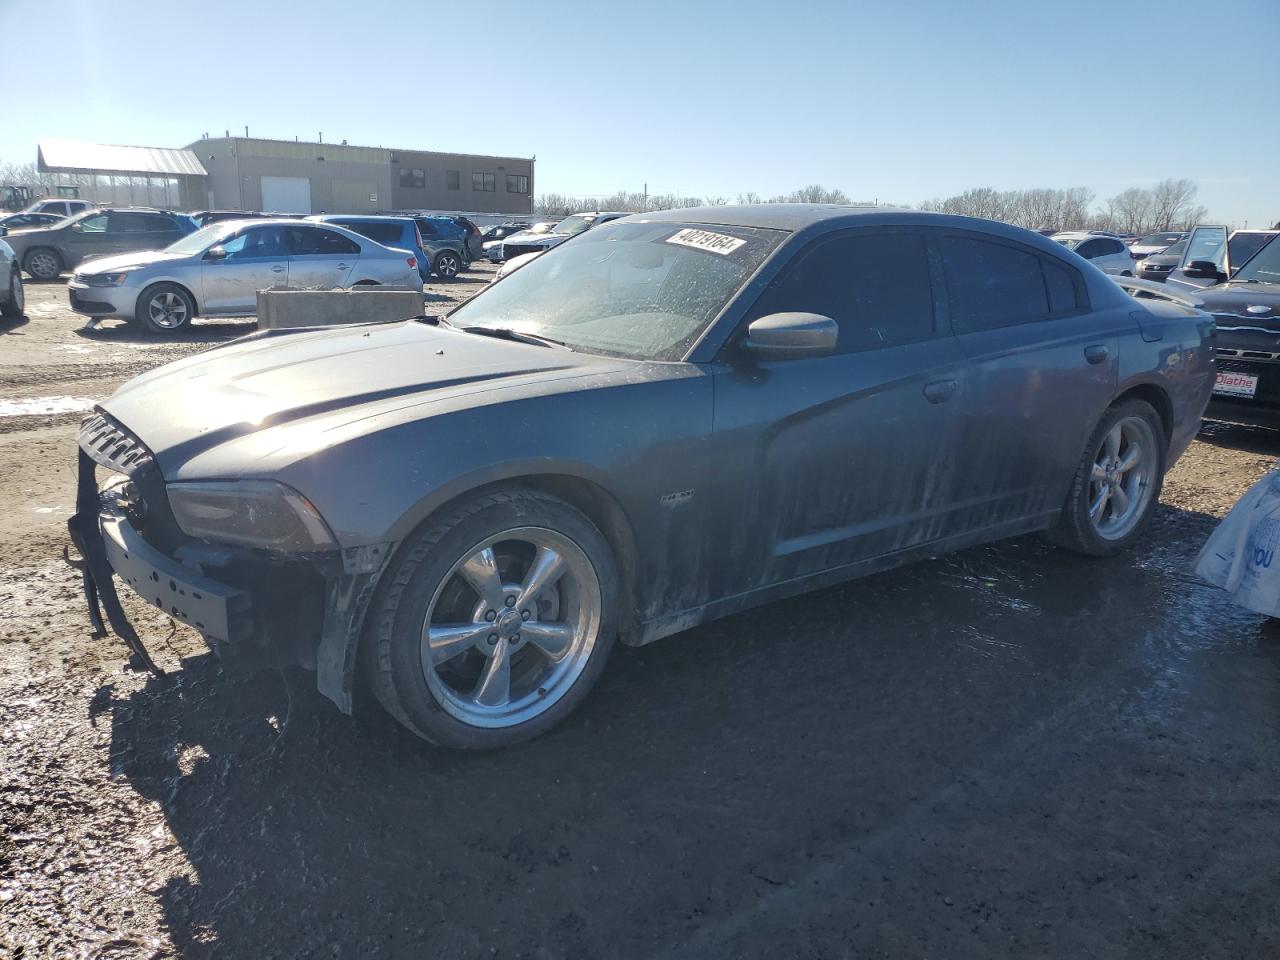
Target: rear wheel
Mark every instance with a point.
(164, 308)
(1117, 485)
(16, 301)
(447, 264)
(43, 264)
(494, 622)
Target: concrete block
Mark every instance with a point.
(278, 309)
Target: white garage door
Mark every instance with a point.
(286, 195)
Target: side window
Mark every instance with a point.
(1061, 284)
(992, 285)
(96, 224)
(1090, 249)
(427, 228)
(1112, 246)
(126, 223)
(256, 242)
(314, 242)
(158, 223)
(384, 233)
(874, 285)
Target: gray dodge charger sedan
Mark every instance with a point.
(675, 417)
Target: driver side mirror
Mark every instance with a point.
(216, 253)
(791, 336)
(1203, 270)
(76, 228)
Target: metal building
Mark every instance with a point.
(290, 176)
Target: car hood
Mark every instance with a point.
(273, 385)
(1165, 259)
(1256, 302)
(120, 261)
(530, 239)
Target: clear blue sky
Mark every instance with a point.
(896, 100)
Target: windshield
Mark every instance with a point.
(1264, 267)
(541, 228)
(203, 238)
(572, 225)
(1158, 240)
(644, 291)
(1069, 242)
(1242, 246)
(1175, 250)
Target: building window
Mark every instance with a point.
(413, 177)
(484, 182)
(453, 179)
(517, 184)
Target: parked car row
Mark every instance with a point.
(218, 270)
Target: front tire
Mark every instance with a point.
(15, 303)
(446, 265)
(43, 264)
(1117, 484)
(164, 308)
(494, 622)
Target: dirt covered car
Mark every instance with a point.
(673, 418)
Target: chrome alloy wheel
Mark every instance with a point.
(511, 627)
(167, 310)
(44, 266)
(1123, 476)
(447, 266)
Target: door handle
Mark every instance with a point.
(1096, 353)
(939, 391)
(342, 266)
(277, 269)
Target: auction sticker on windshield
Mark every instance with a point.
(706, 240)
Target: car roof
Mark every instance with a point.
(361, 217)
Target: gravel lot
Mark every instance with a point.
(1008, 752)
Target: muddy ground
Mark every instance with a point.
(1009, 752)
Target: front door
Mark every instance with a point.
(836, 459)
(91, 237)
(1043, 368)
(255, 259)
(319, 259)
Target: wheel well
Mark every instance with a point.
(1157, 398)
(34, 250)
(195, 304)
(602, 509)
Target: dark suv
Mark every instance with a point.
(46, 252)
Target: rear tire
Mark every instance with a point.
(446, 265)
(494, 620)
(43, 264)
(164, 308)
(1112, 499)
(15, 302)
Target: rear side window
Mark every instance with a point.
(385, 233)
(156, 222)
(992, 285)
(875, 285)
(126, 222)
(312, 241)
(426, 228)
(1060, 283)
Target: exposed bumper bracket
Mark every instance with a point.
(96, 572)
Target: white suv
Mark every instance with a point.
(1108, 254)
(64, 207)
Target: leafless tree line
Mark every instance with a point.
(1169, 205)
(561, 205)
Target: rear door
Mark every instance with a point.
(846, 457)
(1043, 368)
(256, 259)
(1206, 248)
(319, 259)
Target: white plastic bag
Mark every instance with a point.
(1241, 554)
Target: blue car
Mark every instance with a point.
(400, 233)
(448, 236)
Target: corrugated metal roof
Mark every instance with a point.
(71, 156)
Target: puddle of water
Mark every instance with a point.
(37, 406)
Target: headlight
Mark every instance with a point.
(113, 279)
(252, 513)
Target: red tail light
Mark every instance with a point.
(412, 261)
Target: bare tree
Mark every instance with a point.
(749, 197)
(1172, 205)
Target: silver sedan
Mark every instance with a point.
(12, 302)
(218, 270)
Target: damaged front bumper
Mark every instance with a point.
(303, 610)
